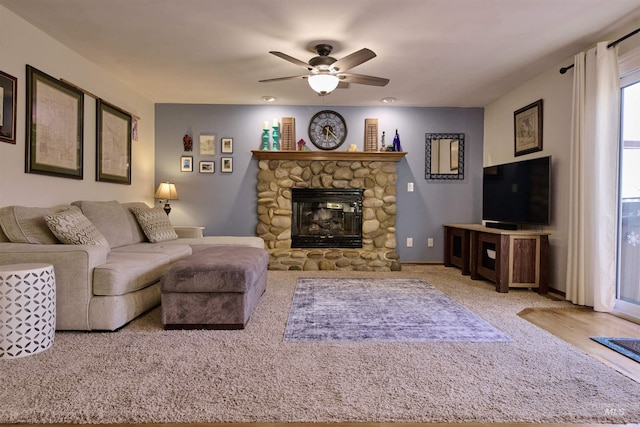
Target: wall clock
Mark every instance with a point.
(327, 130)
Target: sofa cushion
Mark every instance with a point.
(136, 230)
(126, 272)
(173, 251)
(22, 224)
(155, 224)
(72, 227)
(111, 219)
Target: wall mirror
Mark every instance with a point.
(444, 156)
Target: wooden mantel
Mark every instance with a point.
(367, 156)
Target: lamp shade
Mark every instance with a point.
(323, 83)
(166, 191)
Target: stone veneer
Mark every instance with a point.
(378, 178)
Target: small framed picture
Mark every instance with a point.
(207, 167)
(527, 127)
(227, 145)
(207, 144)
(227, 164)
(186, 164)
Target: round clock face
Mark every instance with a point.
(327, 130)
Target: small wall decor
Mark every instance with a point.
(370, 134)
(226, 145)
(527, 129)
(207, 145)
(444, 156)
(288, 133)
(186, 164)
(187, 142)
(55, 116)
(227, 164)
(113, 157)
(207, 167)
(8, 87)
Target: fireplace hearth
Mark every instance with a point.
(326, 218)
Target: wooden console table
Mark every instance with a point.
(509, 258)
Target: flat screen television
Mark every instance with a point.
(518, 193)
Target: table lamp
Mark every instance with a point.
(166, 191)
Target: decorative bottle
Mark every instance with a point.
(396, 142)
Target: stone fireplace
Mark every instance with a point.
(281, 174)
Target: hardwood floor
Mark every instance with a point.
(574, 325)
(577, 325)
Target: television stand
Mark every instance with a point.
(509, 258)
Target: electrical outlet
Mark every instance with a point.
(409, 187)
(409, 242)
(430, 242)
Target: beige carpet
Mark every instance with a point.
(144, 374)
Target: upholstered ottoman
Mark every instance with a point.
(215, 288)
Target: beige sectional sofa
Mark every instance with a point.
(102, 286)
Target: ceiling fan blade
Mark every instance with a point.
(291, 59)
(282, 78)
(363, 80)
(353, 60)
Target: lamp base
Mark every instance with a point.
(167, 208)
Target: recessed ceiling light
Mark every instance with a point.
(267, 98)
(389, 100)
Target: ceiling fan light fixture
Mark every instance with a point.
(323, 83)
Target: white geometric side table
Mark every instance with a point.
(27, 309)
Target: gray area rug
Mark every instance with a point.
(143, 374)
(383, 310)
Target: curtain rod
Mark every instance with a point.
(609, 46)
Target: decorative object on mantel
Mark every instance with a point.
(207, 145)
(327, 130)
(396, 142)
(527, 129)
(64, 147)
(166, 191)
(274, 135)
(302, 144)
(288, 134)
(187, 142)
(352, 148)
(8, 86)
(265, 135)
(371, 135)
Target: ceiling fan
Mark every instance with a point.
(327, 72)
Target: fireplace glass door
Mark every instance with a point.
(326, 218)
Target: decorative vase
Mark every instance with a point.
(396, 142)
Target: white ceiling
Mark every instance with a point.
(435, 52)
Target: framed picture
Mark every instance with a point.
(113, 154)
(227, 164)
(207, 145)
(527, 126)
(186, 164)
(8, 87)
(55, 113)
(227, 145)
(207, 167)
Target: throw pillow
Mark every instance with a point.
(73, 228)
(155, 224)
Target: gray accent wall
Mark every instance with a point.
(226, 203)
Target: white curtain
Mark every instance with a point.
(591, 270)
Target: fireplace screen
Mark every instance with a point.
(326, 218)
